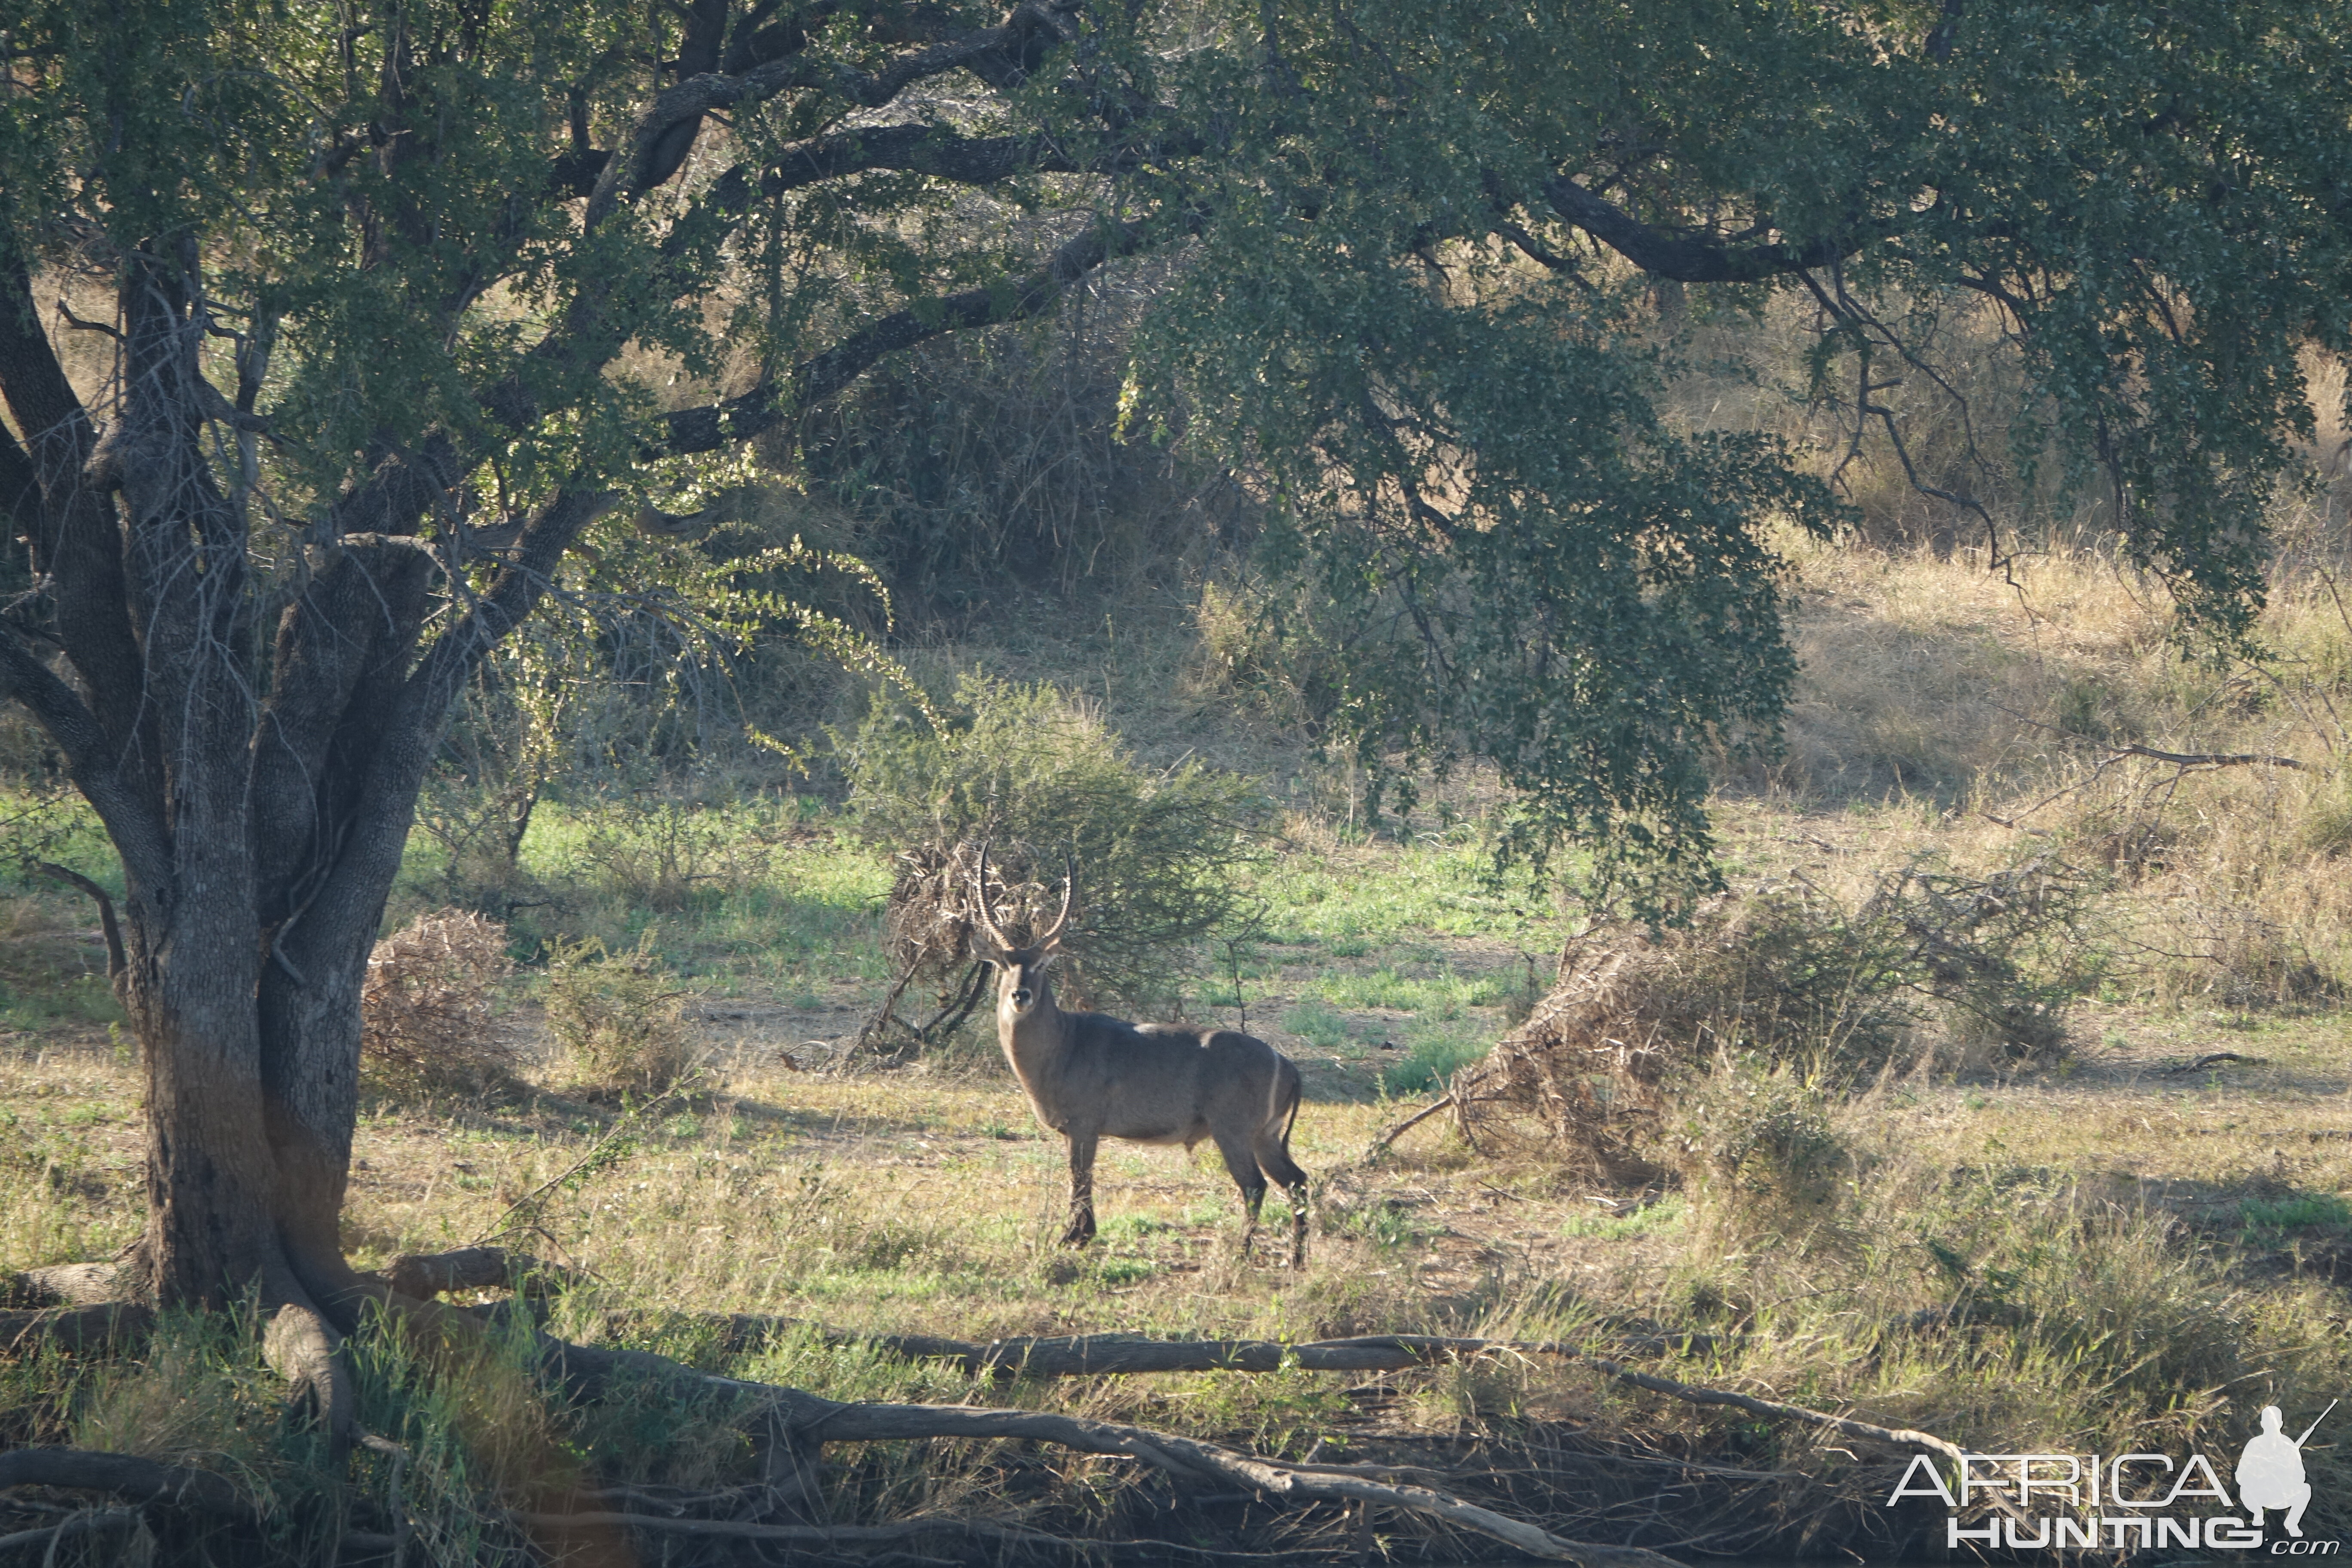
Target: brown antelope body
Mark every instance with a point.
(1089, 1077)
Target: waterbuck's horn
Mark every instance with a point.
(979, 905)
(1054, 932)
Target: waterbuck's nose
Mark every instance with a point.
(1021, 995)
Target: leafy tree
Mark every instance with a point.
(333, 339)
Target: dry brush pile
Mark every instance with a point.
(1926, 960)
(431, 1021)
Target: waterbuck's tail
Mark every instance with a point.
(1282, 1108)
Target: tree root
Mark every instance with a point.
(303, 1344)
(426, 1274)
(106, 1327)
(68, 1284)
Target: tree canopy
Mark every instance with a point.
(428, 273)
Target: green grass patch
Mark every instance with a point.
(2303, 1211)
(1659, 1218)
(1433, 1053)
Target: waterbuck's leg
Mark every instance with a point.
(1274, 1156)
(1081, 1228)
(1243, 1164)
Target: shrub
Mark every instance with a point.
(1035, 774)
(657, 848)
(430, 1021)
(620, 1015)
(1761, 1138)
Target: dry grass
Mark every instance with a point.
(1943, 710)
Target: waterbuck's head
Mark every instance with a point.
(1022, 987)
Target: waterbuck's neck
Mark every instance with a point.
(1035, 1034)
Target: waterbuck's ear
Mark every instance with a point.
(984, 947)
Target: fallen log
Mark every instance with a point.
(813, 1421)
(125, 1475)
(50, 1537)
(1104, 1355)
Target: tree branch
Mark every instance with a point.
(1110, 1356)
(138, 832)
(816, 1420)
(2214, 759)
(115, 963)
(1685, 258)
(712, 426)
(133, 1480)
(20, 486)
(75, 544)
(624, 178)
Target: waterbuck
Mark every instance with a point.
(1089, 1077)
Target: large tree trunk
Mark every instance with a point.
(256, 760)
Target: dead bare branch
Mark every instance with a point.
(115, 963)
(2213, 758)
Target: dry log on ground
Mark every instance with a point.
(815, 1421)
(1101, 1355)
(798, 1423)
(125, 1475)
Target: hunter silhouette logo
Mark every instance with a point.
(2127, 1501)
(2270, 1472)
